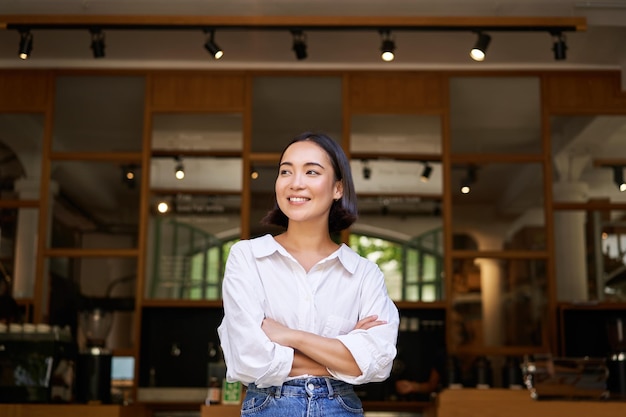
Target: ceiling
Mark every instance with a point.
(600, 46)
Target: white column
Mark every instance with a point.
(26, 238)
(491, 296)
(569, 243)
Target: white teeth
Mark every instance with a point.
(298, 199)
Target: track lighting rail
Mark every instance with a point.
(308, 23)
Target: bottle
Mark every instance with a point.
(214, 395)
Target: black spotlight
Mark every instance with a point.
(559, 47)
(212, 47)
(179, 169)
(480, 47)
(388, 46)
(367, 171)
(97, 43)
(618, 177)
(426, 172)
(26, 44)
(299, 44)
(468, 180)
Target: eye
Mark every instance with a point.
(283, 172)
(312, 172)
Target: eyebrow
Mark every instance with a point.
(306, 164)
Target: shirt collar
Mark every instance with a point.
(266, 245)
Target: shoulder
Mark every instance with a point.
(256, 247)
(356, 263)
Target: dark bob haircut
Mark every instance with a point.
(343, 212)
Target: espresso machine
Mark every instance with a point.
(93, 368)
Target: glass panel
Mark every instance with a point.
(200, 173)
(94, 206)
(18, 243)
(197, 132)
(283, 107)
(20, 156)
(82, 284)
(20, 175)
(498, 302)
(188, 244)
(589, 154)
(263, 198)
(495, 115)
(396, 133)
(590, 255)
(387, 176)
(98, 113)
(503, 208)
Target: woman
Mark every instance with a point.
(305, 319)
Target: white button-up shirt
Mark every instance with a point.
(263, 280)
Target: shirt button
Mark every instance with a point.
(311, 387)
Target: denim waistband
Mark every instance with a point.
(307, 387)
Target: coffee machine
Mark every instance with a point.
(93, 368)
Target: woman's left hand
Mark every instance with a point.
(369, 322)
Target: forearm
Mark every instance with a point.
(303, 365)
(328, 352)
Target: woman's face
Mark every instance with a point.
(306, 185)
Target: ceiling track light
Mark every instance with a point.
(211, 46)
(468, 180)
(97, 43)
(388, 46)
(367, 171)
(26, 44)
(129, 175)
(299, 44)
(559, 47)
(426, 172)
(618, 177)
(479, 50)
(179, 169)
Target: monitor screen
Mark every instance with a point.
(122, 367)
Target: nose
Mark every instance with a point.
(297, 182)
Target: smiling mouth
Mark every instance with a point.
(298, 199)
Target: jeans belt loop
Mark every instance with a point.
(278, 390)
(331, 392)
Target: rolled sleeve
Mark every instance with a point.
(373, 350)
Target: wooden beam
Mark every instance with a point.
(447, 23)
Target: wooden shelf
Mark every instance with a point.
(72, 410)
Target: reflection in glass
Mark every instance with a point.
(597, 270)
(586, 151)
(407, 246)
(188, 245)
(495, 115)
(98, 113)
(283, 107)
(20, 174)
(197, 132)
(498, 302)
(201, 173)
(386, 176)
(396, 133)
(77, 284)
(20, 156)
(503, 210)
(95, 206)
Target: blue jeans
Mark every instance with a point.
(307, 397)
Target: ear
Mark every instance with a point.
(338, 190)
